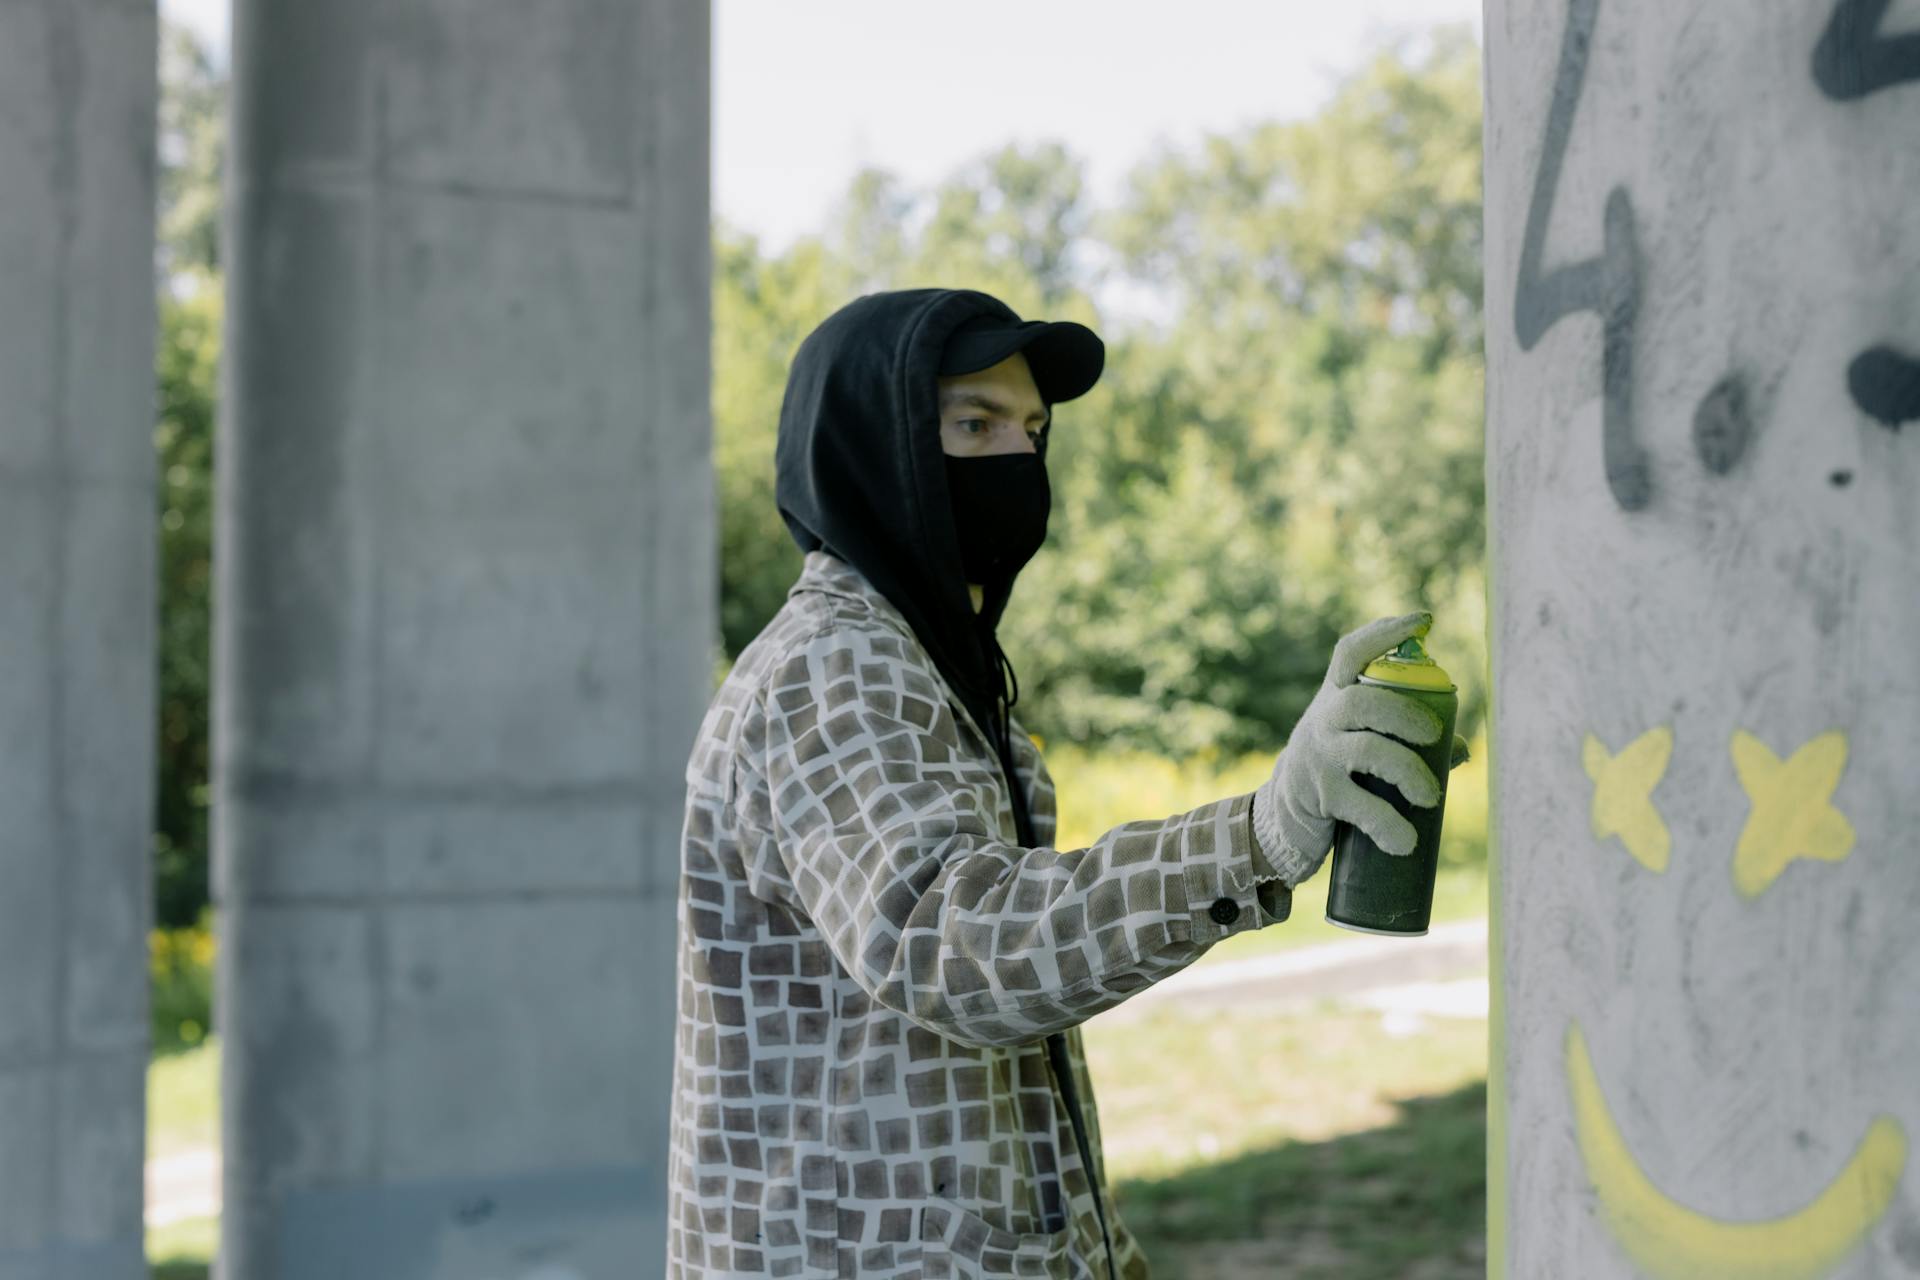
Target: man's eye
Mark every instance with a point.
(972, 422)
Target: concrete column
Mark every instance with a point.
(1703, 314)
(467, 585)
(77, 564)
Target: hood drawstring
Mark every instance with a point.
(1004, 699)
(1009, 687)
(1006, 665)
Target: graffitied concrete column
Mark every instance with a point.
(77, 117)
(467, 588)
(1703, 318)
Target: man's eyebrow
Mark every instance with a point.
(978, 400)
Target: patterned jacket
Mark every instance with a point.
(869, 964)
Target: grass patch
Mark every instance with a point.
(1178, 1090)
(183, 1100)
(1314, 1143)
(1406, 1199)
(183, 1250)
(183, 1113)
(183, 1269)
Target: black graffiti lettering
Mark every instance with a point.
(1722, 426)
(1886, 386)
(1852, 61)
(1608, 285)
(470, 1212)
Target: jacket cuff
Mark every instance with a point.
(1235, 889)
(1272, 886)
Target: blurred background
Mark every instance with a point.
(1272, 214)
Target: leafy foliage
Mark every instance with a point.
(1288, 447)
(1295, 450)
(762, 308)
(188, 364)
(191, 145)
(180, 986)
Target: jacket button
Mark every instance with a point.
(1224, 911)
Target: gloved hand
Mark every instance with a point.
(1295, 810)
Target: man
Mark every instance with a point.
(883, 960)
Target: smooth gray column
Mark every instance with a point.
(77, 117)
(1703, 345)
(467, 589)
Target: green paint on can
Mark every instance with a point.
(1370, 890)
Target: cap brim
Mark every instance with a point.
(1065, 357)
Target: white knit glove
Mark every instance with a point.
(1311, 789)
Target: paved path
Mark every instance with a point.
(183, 1186)
(1328, 971)
(1406, 979)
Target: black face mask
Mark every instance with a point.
(1000, 505)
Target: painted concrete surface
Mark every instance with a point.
(77, 115)
(1703, 310)
(467, 589)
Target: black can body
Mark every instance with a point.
(1377, 892)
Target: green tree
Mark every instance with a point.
(1295, 450)
(191, 145)
(762, 308)
(188, 362)
(1304, 439)
(1005, 224)
(1335, 266)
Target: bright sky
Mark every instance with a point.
(807, 91)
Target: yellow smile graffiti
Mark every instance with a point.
(1792, 817)
(1669, 1241)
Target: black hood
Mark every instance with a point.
(859, 471)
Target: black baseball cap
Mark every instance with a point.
(1065, 357)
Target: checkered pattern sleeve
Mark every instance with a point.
(889, 826)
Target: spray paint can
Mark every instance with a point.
(1370, 890)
